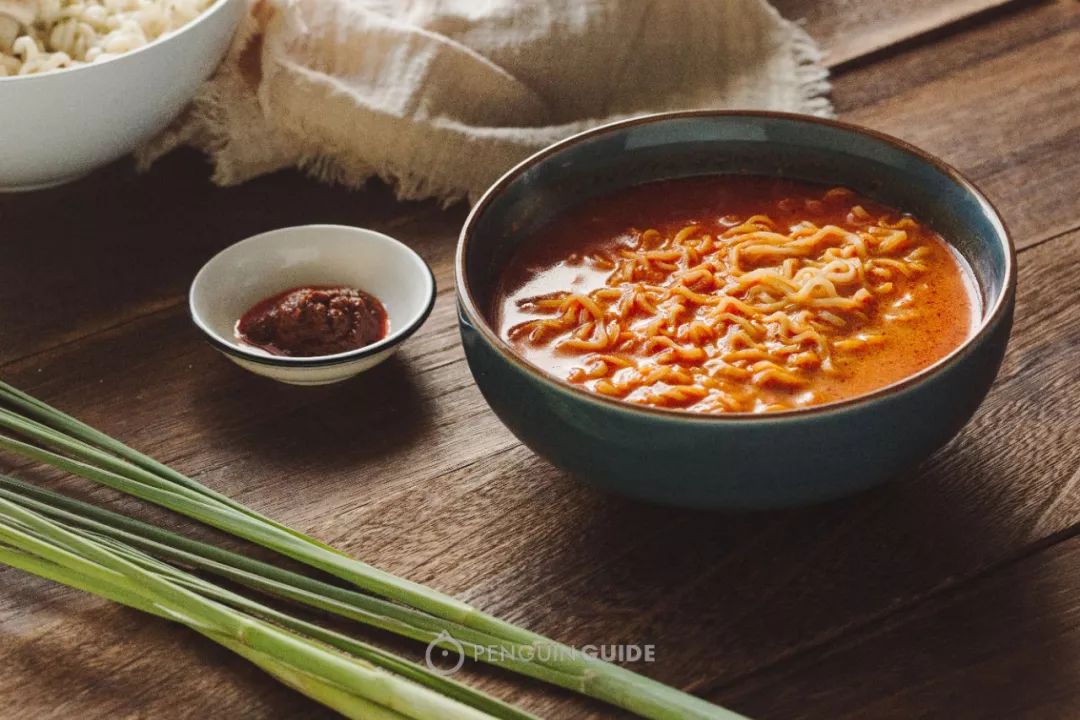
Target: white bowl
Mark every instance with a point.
(58, 126)
(257, 268)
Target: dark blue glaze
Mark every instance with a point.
(739, 460)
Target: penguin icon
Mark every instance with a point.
(439, 651)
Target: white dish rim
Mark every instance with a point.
(394, 338)
(204, 16)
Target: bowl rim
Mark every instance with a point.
(990, 320)
(394, 338)
(204, 16)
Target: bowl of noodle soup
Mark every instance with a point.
(89, 80)
(734, 309)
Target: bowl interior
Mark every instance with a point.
(119, 103)
(264, 265)
(206, 16)
(691, 144)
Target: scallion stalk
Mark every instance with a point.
(62, 441)
(257, 575)
(351, 685)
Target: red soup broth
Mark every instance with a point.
(735, 294)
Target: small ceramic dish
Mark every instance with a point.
(251, 270)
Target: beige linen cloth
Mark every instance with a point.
(440, 97)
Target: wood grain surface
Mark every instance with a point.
(952, 593)
(850, 30)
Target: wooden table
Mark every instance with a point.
(953, 593)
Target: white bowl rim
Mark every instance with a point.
(204, 16)
(394, 338)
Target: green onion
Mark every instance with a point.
(351, 685)
(401, 606)
(251, 573)
(105, 526)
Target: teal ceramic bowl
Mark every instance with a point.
(735, 460)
